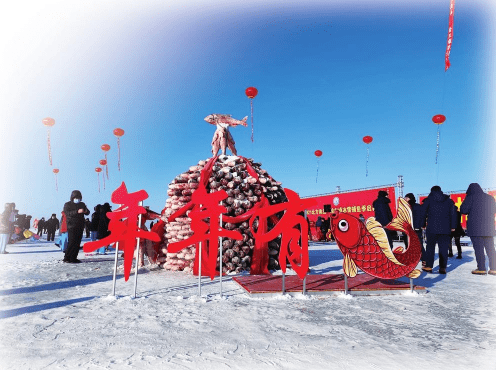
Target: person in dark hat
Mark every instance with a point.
(438, 211)
(417, 221)
(51, 225)
(383, 213)
(75, 210)
(480, 208)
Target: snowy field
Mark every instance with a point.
(60, 316)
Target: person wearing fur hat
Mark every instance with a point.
(75, 210)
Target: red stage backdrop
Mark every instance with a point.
(458, 198)
(355, 202)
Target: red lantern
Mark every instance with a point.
(318, 154)
(251, 92)
(367, 139)
(48, 122)
(106, 148)
(56, 171)
(98, 170)
(103, 162)
(438, 119)
(118, 132)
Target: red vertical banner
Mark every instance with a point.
(450, 35)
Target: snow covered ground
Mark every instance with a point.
(60, 316)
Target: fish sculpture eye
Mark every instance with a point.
(343, 225)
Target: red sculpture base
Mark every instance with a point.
(362, 284)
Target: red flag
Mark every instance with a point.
(450, 36)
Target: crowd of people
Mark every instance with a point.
(437, 221)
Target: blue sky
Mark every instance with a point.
(328, 73)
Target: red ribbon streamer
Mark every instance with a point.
(447, 63)
(106, 166)
(98, 173)
(56, 185)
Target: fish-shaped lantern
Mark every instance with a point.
(365, 246)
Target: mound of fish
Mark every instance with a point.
(228, 173)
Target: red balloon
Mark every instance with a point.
(105, 147)
(318, 153)
(55, 170)
(48, 121)
(118, 132)
(438, 119)
(98, 169)
(103, 162)
(367, 139)
(251, 92)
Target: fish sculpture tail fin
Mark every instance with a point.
(403, 219)
(245, 119)
(414, 274)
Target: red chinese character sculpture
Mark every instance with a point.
(123, 226)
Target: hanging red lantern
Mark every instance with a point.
(48, 122)
(367, 140)
(318, 154)
(118, 132)
(98, 170)
(56, 171)
(103, 162)
(106, 148)
(251, 92)
(438, 119)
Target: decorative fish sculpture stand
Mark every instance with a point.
(365, 246)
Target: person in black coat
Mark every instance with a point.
(480, 208)
(75, 210)
(438, 210)
(51, 225)
(41, 226)
(457, 234)
(417, 221)
(103, 224)
(95, 219)
(383, 213)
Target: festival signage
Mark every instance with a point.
(354, 203)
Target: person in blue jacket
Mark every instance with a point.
(438, 210)
(480, 208)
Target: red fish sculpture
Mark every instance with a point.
(366, 246)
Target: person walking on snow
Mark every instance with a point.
(480, 208)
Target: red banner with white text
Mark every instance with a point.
(356, 203)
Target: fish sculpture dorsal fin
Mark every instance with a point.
(349, 266)
(379, 234)
(403, 216)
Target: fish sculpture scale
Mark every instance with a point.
(366, 246)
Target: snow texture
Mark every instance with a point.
(61, 316)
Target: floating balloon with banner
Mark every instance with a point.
(438, 119)
(118, 132)
(251, 92)
(106, 148)
(103, 162)
(49, 122)
(318, 154)
(98, 170)
(56, 171)
(367, 140)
